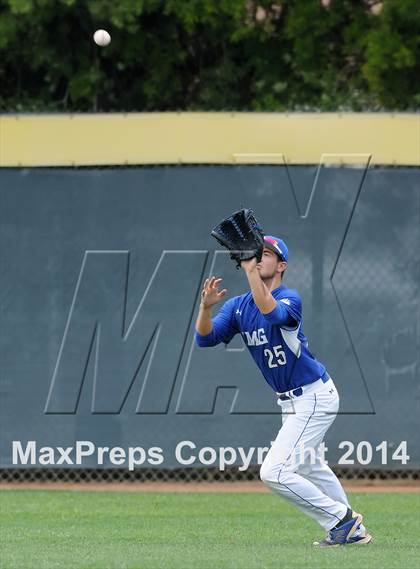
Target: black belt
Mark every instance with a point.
(298, 391)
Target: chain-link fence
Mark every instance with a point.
(188, 475)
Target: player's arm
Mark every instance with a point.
(211, 331)
(260, 293)
(210, 296)
(275, 312)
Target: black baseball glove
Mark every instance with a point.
(241, 234)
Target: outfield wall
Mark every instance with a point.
(101, 271)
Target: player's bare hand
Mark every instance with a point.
(210, 294)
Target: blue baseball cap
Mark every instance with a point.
(277, 245)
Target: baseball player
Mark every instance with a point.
(269, 319)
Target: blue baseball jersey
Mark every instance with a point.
(275, 340)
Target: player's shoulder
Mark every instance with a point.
(231, 303)
(283, 293)
(241, 301)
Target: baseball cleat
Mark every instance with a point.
(360, 539)
(343, 534)
(355, 540)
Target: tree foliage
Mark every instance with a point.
(210, 55)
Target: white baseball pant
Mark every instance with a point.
(294, 466)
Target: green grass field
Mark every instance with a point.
(46, 529)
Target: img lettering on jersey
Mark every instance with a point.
(255, 338)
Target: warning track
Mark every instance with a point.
(409, 486)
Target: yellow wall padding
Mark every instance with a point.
(210, 138)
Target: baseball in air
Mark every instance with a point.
(101, 37)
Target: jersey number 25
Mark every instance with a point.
(278, 356)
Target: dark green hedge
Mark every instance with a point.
(210, 55)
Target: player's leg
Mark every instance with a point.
(303, 430)
(317, 471)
